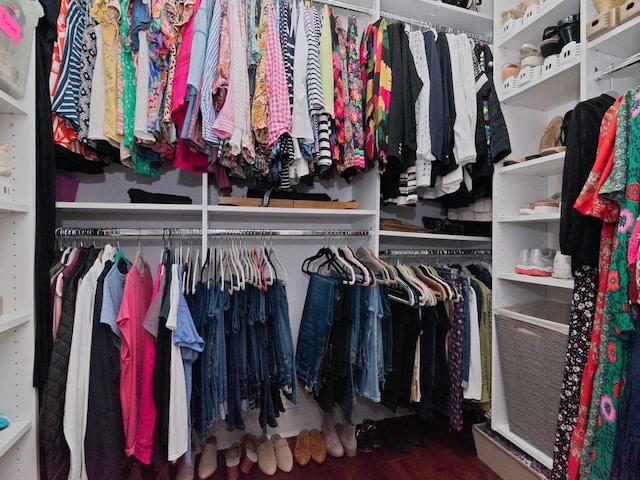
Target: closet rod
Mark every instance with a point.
(67, 232)
(439, 28)
(346, 6)
(617, 66)
(459, 252)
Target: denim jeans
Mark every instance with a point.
(255, 319)
(237, 379)
(278, 308)
(372, 347)
(317, 318)
(387, 329)
(336, 376)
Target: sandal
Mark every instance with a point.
(510, 69)
(548, 205)
(551, 137)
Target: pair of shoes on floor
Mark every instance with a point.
(544, 262)
(368, 436)
(546, 206)
(208, 459)
(274, 454)
(310, 446)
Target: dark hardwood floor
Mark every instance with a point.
(439, 456)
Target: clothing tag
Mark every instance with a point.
(10, 25)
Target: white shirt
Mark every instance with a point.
(474, 388)
(178, 408)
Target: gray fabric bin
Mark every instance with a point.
(532, 344)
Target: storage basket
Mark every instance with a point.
(550, 65)
(602, 23)
(532, 341)
(569, 52)
(530, 14)
(606, 5)
(629, 10)
(528, 74)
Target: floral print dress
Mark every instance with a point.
(616, 341)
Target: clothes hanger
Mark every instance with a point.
(267, 265)
(275, 262)
(367, 258)
(139, 261)
(368, 278)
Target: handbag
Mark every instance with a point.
(467, 4)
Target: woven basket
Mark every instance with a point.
(606, 5)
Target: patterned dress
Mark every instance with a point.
(590, 203)
(616, 340)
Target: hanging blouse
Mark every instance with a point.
(210, 68)
(301, 121)
(260, 112)
(354, 141)
(278, 106)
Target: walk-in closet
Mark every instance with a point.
(319, 238)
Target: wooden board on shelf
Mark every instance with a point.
(281, 203)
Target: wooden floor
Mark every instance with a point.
(440, 456)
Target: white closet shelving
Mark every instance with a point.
(18, 446)
(528, 110)
(102, 200)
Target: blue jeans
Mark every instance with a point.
(372, 347)
(278, 307)
(387, 329)
(317, 318)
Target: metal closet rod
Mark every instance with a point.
(435, 26)
(63, 232)
(617, 66)
(459, 252)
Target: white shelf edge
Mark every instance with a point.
(12, 320)
(547, 281)
(457, 10)
(433, 236)
(132, 207)
(9, 105)
(522, 167)
(10, 435)
(293, 212)
(593, 44)
(507, 37)
(13, 207)
(517, 91)
(503, 430)
(547, 217)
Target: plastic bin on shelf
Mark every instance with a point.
(629, 10)
(532, 341)
(569, 52)
(602, 23)
(18, 19)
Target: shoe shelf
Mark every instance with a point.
(126, 208)
(440, 13)
(622, 41)
(226, 211)
(538, 167)
(542, 217)
(543, 93)
(547, 281)
(433, 236)
(549, 13)
(12, 320)
(9, 207)
(14, 432)
(10, 105)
